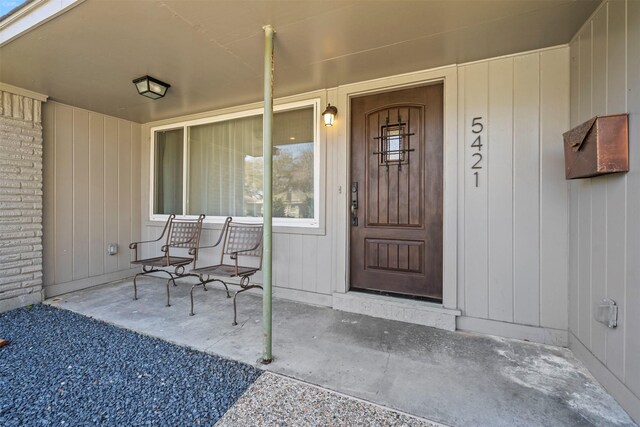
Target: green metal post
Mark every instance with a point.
(267, 152)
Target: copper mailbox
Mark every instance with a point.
(598, 146)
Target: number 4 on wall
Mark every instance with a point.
(477, 143)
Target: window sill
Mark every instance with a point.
(292, 228)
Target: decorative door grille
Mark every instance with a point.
(394, 143)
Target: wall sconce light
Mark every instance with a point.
(150, 87)
(329, 115)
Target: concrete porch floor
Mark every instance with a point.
(454, 378)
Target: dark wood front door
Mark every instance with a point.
(396, 174)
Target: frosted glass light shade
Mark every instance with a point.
(329, 115)
(150, 87)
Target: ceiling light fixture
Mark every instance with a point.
(329, 115)
(150, 87)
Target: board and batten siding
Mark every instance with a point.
(91, 197)
(303, 261)
(512, 230)
(512, 262)
(604, 244)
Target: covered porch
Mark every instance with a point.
(453, 378)
(507, 247)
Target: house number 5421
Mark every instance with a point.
(476, 147)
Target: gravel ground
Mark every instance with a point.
(61, 368)
(274, 400)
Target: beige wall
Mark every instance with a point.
(513, 226)
(512, 229)
(302, 259)
(509, 269)
(91, 196)
(509, 237)
(604, 229)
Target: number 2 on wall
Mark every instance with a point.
(476, 129)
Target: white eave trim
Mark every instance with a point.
(23, 92)
(31, 16)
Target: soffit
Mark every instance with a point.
(211, 52)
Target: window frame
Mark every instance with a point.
(304, 223)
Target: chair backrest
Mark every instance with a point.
(244, 239)
(185, 233)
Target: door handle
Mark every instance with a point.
(354, 203)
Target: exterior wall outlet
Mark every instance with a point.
(607, 312)
(112, 248)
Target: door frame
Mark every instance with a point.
(341, 240)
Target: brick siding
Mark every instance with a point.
(20, 201)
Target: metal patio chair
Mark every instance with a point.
(241, 257)
(181, 235)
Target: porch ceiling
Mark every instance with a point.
(211, 51)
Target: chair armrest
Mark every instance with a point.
(165, 249)
(207, 247)
(226, 222)
(235, 253)
(134, 245)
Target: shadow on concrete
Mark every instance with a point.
(450, 377)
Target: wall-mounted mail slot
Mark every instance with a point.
(598, 146)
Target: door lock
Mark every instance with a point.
(354, 203)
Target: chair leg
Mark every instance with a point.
(174, 282)
(135, 285)
(226, 287)
(204, 282)
(235, 312)
(135, 288)
(172, 278)
(192, 288)
(223, 284)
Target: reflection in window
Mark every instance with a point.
(225, 166)
(168, 172)
(394, 144)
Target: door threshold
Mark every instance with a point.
(393, 308)
(398, 295)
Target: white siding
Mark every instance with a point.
(554, 96)
(526, 189)
(604, 231)
(475, 205)
(500, 181)
(89, 162)
(302, 261)
(512, 233)
(515, 222)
